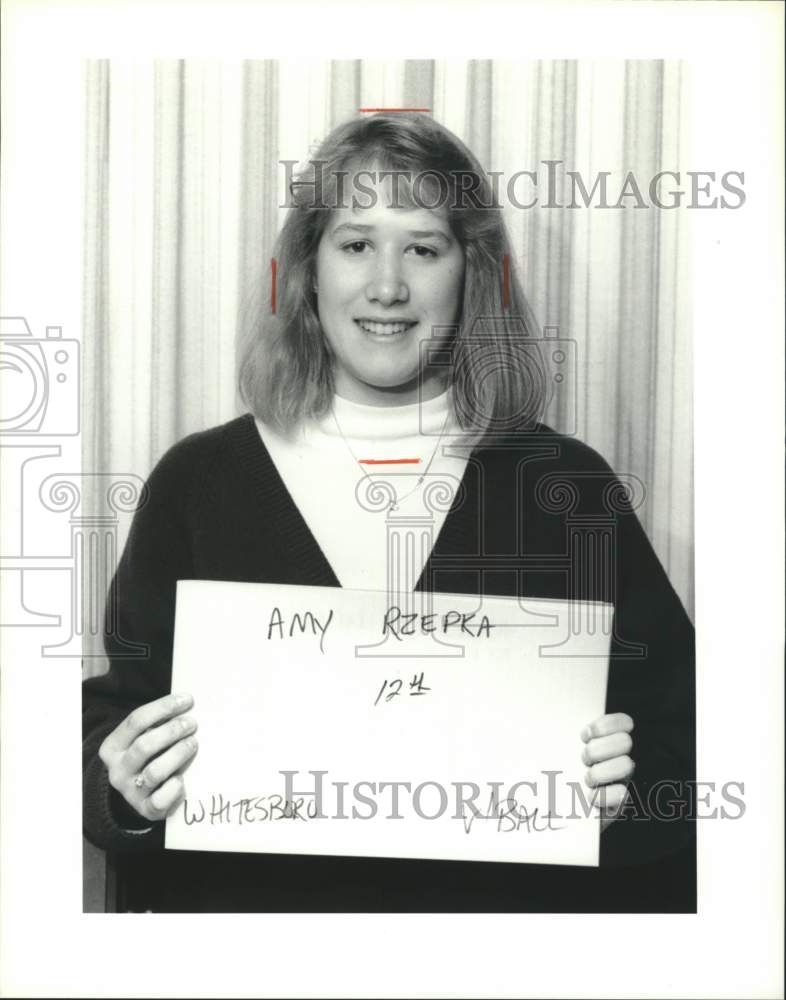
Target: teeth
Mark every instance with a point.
(383, 329)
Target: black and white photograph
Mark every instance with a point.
(368, 544)
(409, 425)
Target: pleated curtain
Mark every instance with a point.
(184, 196)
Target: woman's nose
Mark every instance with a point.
(387, 283)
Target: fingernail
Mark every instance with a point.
(586, 732)
(191, 743)
(187, 725)
(183, 699)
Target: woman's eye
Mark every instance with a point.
(359, 246)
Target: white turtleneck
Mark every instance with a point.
(344, 470)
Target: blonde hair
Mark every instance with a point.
(286, 369)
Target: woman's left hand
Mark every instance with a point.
(607, 755)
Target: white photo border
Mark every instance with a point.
(733, 945)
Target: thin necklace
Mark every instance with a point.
(394, 504)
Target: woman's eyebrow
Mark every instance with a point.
(418, 234)
(429, 234)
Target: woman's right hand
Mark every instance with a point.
(146, 753)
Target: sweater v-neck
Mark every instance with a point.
(293, 535)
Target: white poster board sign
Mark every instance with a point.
(333, 723)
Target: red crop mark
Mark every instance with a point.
(394, 109)
(273, 273)
(389, 461)
(506, 281)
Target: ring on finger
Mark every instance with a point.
(139, 780)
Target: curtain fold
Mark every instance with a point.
(184, 196)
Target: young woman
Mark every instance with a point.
(395, 334)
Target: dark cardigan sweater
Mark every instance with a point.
(217, 509)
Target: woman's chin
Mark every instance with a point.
(377, 391)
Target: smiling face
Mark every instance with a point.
(385, 277)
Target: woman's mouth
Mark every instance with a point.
(385, 329)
